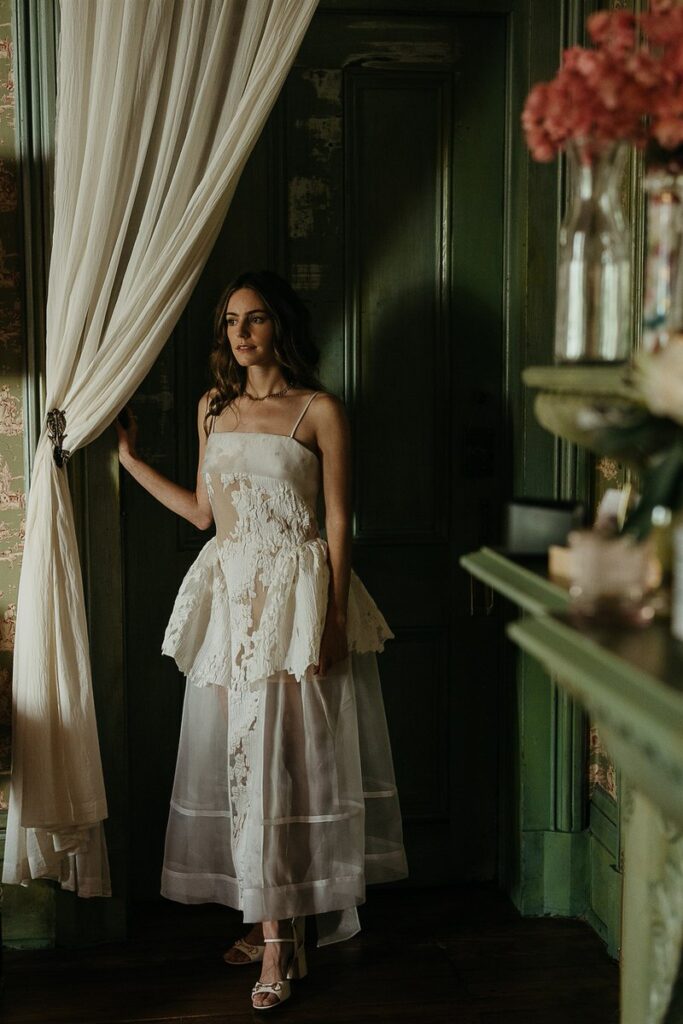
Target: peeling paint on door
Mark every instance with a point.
(305, 196)
(326, 133)
(327, 83)
(306, 277)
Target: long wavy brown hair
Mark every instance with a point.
(295, 349)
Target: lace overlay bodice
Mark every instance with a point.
(255, 600)
(272, 467)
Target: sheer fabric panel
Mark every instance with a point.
(313, 811)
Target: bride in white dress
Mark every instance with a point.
(284, 801)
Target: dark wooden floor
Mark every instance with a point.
(462, 956)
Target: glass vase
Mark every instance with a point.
(663, 297)
(593, 323)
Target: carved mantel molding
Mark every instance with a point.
(631, 684)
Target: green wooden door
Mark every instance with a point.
(378, 189)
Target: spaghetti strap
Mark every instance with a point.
(213, 418)
(303, 412)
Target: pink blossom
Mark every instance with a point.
(599, 96)
(615, 90)
(615, 30)
(661, 27)
(668, 131)
(644, 69)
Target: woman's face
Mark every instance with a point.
(250, 329)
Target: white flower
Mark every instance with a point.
(660, 376)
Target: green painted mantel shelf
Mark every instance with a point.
(530, 590)
(630, 681)
(599, 381)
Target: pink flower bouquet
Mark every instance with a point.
(628, 86)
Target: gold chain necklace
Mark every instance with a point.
(271, 394)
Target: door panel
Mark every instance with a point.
(397, 253)
(378, 189)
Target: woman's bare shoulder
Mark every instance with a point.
(329, 414)
(206, 398)
(203, 408)
(328, 404)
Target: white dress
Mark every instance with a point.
(284, 801)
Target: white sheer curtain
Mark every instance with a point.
(159, 103)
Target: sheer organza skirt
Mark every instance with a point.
(284, 801)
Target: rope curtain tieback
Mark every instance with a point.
(56, 431)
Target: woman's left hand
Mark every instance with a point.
(333, 646)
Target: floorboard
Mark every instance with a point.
(456, 955)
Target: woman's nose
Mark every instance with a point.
(243, 331)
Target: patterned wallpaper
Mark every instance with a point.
(12, 495)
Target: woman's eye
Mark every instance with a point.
(230, 322)
(256, 320)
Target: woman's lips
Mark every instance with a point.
(245, 348)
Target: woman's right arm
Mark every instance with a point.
(191, 505)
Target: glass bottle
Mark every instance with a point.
(592, 323)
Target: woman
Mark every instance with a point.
(284, 801)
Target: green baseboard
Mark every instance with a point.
(553, 874)
(604, 910)
(570, 874)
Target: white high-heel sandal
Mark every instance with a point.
(253, 952)
(297, 968)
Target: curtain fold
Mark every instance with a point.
(159, 104)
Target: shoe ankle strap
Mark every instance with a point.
(279, 940)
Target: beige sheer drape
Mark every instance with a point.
(159, 103)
